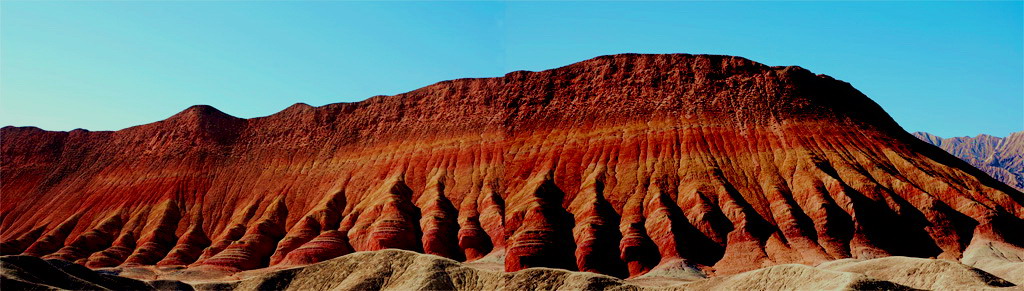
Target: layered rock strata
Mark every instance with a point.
(621, 165)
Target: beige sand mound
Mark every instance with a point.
(397, 269)
(404, 270)
(792, 277)
(998, 258)
(920, 273)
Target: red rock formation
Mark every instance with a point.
(596, 233)
(439, 223)
(159, 235)
(321, 219)
(389, 220)
(188, 248)
(254, 248)
(539, 229)
(620, 164)
(327, 245)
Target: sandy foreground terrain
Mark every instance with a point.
(405, 270)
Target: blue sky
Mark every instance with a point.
(950, 68)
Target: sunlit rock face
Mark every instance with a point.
(618, 165)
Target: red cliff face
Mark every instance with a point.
(619, 165)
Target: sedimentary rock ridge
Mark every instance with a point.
(623, 165)
(1000, 157)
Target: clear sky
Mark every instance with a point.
(949, 68)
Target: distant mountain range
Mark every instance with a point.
(1002, 158)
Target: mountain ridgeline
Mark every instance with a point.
(1000, 157)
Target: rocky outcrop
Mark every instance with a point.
(625, 165)
(1000, 157)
